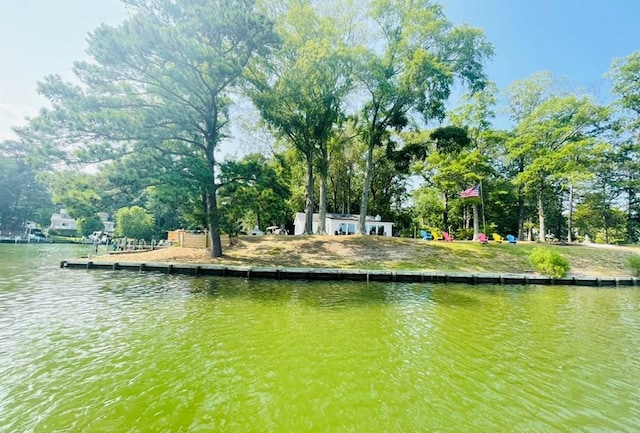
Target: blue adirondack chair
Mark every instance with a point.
(426, 236)
(512, 239)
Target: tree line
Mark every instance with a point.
(355, 103)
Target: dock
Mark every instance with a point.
(333, 274)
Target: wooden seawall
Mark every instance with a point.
(285, 273)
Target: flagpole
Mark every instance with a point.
(484, 224)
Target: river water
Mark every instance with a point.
(105, 351)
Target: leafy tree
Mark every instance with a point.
(302, 92)
(169, 207)
(24, 195)
(625, 75)
(428, 208)
(252, 185)
(345, 170)
(411, 67)
(152, 180)
(161, 79)
(452, 164)
(595, 216)
(134, 222)
(548, 140)
(388, 183)
(475, 115)
(79, 193)
(522, 98)
(89, 224)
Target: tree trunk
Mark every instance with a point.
(309, 207)
(322, 230)
(445, 213)
(466, 218)
(542, 236)
(630, 225)
(348, 197)
(335, 196)
(476, 221)
(324, 170)
(212, 202)
(570, 218)
(605, 220)
(212, 212)
(365, 191)
(521, 213)
(521, 217)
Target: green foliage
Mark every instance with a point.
(24, 195)
(554, 139)
(252, 193)
(548, 262)
(625, 74)
(302, 95)
(160, 81)
(428, 207)
(78, 193)
(89, 224)
(411, 67)
(632, 261)
(340, 85)
(596, 217)
(134, 222)
(464, 234)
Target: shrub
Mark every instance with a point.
(633, 261)
(548, 262)
(464, 234)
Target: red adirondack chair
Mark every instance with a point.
(482, 238)
(447, 237)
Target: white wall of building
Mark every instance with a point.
(346, 226)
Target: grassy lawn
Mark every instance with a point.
(379, 253)
(374, 252)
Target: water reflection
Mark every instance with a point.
(122, 351)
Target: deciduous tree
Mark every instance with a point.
(301, 93)
(410, 66)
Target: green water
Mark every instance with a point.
(102, 351)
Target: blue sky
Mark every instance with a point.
(577, 39)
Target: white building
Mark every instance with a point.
(63, 223)
(344, 224)
(109, 226)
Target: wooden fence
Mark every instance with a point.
(187, 239)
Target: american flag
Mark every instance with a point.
(474, 191)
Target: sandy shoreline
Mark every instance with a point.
(366, 252)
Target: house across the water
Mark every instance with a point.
(344, 224)
(67, 226)
(63, 223)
